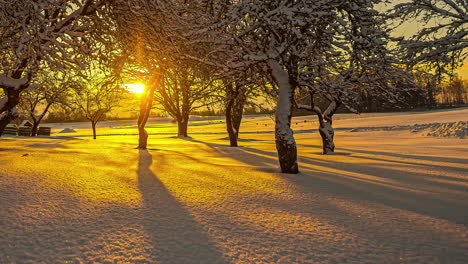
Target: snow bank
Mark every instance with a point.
(68, 130)
(454, 129)
(414, 128)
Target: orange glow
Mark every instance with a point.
(137, 88)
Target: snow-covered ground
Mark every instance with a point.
(387, 196)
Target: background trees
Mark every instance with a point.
(95, 94)
(49, 90)
(454, 92)
(39, 34)
(187, 86)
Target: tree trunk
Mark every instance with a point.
(6, 118)
(34, 128)
(8, 111)
(145, 109)
(229, 124)
(182, 125)
(326, 127)
(37, 121)
(285, 143)
(142, 138)
(12, 87)
(237, 111)
(93, 124)
(327, 133)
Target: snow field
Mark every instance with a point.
(385, 197)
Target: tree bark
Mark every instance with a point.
(237, 111)
(145, 109)
(327, 133)
(285, 143)
(233, 135)
(93, 124)
(182, 125)
(326, 129)
(5, 119)
(37, 121)
(34, 127)
(9, 112)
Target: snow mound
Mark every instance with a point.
(415, 128)
(68, 130)
(454, 129)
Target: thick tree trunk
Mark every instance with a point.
(12, 87)
(93, 124)
(6, 118)
(285, 143)
(8, 111)
(327, 133)
(326, 127)
(142, 138)
(182, 125)
(233, 135)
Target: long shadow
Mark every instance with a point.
(265, 165)
(175, 234)
(405, 156)
(405, 195)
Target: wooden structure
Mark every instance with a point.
(10, 130)
(24, 131)
(43, 131)
(26, 123)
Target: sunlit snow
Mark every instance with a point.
(387, 196)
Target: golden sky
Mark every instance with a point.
(411, 27)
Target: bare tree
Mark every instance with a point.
(455, 91)
(234, 106)
(49, 91)
(240, 90)
(95, 95)
(187, 86)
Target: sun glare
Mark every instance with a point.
(137, 88)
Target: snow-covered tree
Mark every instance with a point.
(442, 39)
(48, 91)
(284, 35)
(37, 33)
(340, 78)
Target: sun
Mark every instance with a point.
(137, 88)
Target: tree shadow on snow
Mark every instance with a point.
(389, 183)
(175, 234)
(398, 155)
